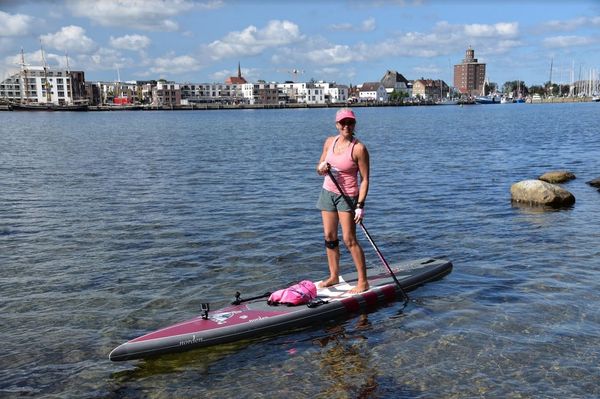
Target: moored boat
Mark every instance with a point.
(489, 99)
(536, 98)
(447, 101)
(48, 107)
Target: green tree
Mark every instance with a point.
(537, 89)
(397, 96)
(515, 87)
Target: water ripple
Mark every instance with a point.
(108, 233)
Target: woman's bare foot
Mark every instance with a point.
(361, 287)
(329, 282)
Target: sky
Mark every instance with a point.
(348, 42)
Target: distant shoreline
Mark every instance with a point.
(203, 107)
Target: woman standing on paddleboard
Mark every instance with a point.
(346, 158)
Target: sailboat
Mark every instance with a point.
(486, 99)
(445, 101)
(520, 99)
(26, 105)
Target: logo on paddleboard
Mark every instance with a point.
(221, 318)
(190, 341)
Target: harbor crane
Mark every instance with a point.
(294, 72)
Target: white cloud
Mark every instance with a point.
(171, 64)
(568, 41)
(334, 55)
(69, 38)
(501, 29)
(253, 41)
(130, 42)
(220, 76)
(142, 14)
(14, 24)
(367, 25)
(444, 39)
(427, 70)
(210, 5)
(35, 59)
(104, 59)
(571, 24)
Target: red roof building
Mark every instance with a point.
(236, 80)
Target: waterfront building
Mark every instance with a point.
(237, 80)
(430, 89)
(200, 93)
(166, 93)
(469, 76)
(372, 91)
(266, 94)
(119, 93)
(93, 93)
(43, 85)
(303, 93)
(394, 81)
(314, 94)
(333, 93)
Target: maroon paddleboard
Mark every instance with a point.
(255, 317)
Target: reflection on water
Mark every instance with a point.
(106, 234)
(346, 363)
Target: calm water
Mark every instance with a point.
(115, 224)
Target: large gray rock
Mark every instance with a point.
(594, 182)
(537, 192)
(557, 176)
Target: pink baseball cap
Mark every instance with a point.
(344, 113)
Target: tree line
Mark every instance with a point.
(518, 87)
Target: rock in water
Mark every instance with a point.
(537, 192)
(557, 176)
(594, 182)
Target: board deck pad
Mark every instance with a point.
(256, 317)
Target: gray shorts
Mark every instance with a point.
(333, 202)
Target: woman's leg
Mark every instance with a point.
(358, 256)
(332, 248)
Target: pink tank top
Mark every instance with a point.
(344, 169)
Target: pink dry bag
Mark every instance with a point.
(297, 294)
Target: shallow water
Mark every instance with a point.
(115, 224)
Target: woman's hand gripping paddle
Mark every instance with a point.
(364, 229)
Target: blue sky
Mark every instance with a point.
(349, 42)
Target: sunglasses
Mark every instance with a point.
(347, 122)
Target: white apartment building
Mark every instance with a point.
(166, 93)
(372, 91)
(218, 92)
(303, 93)
(39, 85)
(334, 93)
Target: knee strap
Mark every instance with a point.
(332, 244)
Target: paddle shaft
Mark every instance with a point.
(364, 229)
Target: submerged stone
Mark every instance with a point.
(594, 182)
(537, 192)
(557, 176)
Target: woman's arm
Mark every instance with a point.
(362, 159)
(321, 166)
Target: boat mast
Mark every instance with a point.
(69, 81)
(47, 84)
(550, 80)
(118, 84)
(24, 78)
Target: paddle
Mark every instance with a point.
(364, 229)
